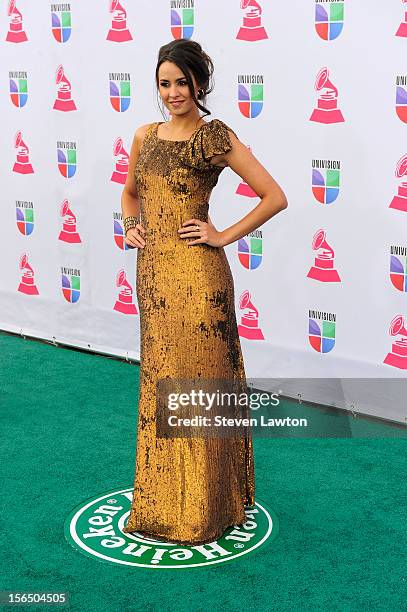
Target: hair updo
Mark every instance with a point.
(189, 56)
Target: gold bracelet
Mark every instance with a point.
(130, 222)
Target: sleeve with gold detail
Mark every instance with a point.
(210, 139)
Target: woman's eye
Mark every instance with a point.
(182, 83)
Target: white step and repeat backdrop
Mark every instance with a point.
(317, 90)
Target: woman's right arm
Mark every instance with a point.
(130, 201)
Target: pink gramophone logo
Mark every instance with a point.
(118, 31)
(27, 284)
(249, 323)
(124, 302)
(15, 32)
(252, 29)
(121, 156)
(400, 200)
(327, 110)
(324, 265)
(22, 164)
(63, 100)
(398, 355)
(69, 232)
(244, 189)
(402, 31)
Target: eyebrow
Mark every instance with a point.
(180, 79)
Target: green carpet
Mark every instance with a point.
(69, 431)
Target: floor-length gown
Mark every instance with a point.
(186, 490)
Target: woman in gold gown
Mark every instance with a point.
(187, 489)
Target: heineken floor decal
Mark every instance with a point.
(94, 528)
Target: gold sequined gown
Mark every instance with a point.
(185, 490)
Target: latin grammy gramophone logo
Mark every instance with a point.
(399, 201)
(61, 21)
(401, 97)
(120, 91)
(321, 330)
(95, 529)
(16, 33)
(251, 29)
(18, 83)
(22, 165)
(402, 29)
(71, 284)
(327, 110)
(27, 283)
(329, 17)
(119, 31)
(326, 180)
(249, 323)
(398, 267)
(121, 157)
(250, 250)
(118, 232)
(323, 269)
(397, 357)
(63, 100)
(124, 302)
(69, 232)
(182, 18)
(66, 157)
(250, 94)
(25, 217)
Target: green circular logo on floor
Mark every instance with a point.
(95, 529)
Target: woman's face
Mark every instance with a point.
(173, 88)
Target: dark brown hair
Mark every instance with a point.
(189, 56)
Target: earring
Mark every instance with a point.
(200, 92)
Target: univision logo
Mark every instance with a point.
(120, 93)
(182, 18)
(71, 284)
(401, 97)
(66, 155)
(94, 528)
(25, 217)
(118, 231)
(329, 18)
(18, 87)
(398, 267)
(250, 94)
(326, 174)
(250, 250)
(61, 21)
(321, 330)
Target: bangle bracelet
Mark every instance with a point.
(130, 222)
